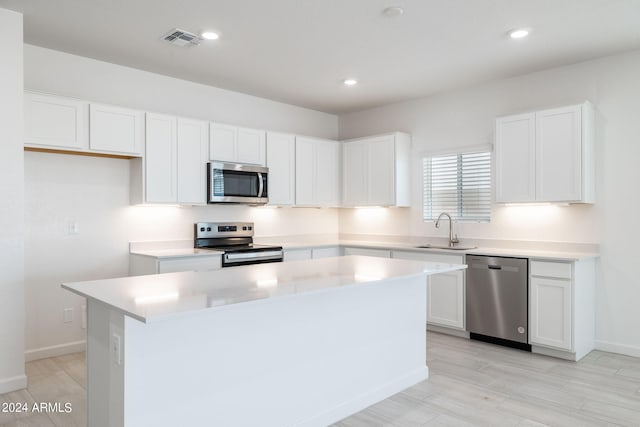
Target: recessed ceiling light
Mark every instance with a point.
(519, 33)
(350, 82)
(393, 11)
(210, 35)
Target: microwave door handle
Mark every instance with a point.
(261, 185)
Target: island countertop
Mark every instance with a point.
(160, 296)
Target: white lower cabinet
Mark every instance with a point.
(311, 253)
(561, 307)
(445, 292)
(551, 312)
(296, 254)
(140, 265)
(326, 252)
(381, 253)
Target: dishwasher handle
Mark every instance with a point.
(494, 267)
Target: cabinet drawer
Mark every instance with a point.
(202, 263)
(561, 270)
(381, 253)
(325, 252)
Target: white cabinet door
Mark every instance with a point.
(193, 153)
(161, 159)
(296, 254)
(376, 170)
(381, 171)
(55, 122)
(281, 159)
(551, 315)
(116, 130)
(251, 146)
(515, 158)
(305, 171)
(558, 154)
(327, 173)
(237, 145)
(317, 172)
(354, 184)
(445, 300)
(381, 253)
(445, 291)
(223, 142)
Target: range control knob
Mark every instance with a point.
(201, 228)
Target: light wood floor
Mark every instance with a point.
(470, 384)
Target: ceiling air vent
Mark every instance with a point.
(182, 38)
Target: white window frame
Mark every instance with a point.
(457, 212)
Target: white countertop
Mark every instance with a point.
(560, 255)
(555, 252)
(176, 252)
(159, 296)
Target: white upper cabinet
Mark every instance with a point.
(55, 122)
(515, 158)
(237, 145)
(161, 159)
(116, 130)
(354, 173)
(546, 156)
(376, 170)
(252, 146)
(193, 154)
(281, 159)
(559, 154)
(175, 161)
(317, 172)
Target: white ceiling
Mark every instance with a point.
(299, 51)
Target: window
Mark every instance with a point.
(459, 184)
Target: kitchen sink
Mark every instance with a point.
(451, 248)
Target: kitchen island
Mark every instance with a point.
(302, 343)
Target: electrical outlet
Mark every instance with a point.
(116, 353)
(83, 313)
(74, 228)
(68, 315)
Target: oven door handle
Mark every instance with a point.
(253, 255)
(261, 184)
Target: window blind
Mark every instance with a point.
(459, 184)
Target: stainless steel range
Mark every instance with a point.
(235, 239)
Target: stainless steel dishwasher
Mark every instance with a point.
(497, 300)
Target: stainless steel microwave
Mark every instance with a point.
(237, 183)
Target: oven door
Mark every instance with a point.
(237, 183)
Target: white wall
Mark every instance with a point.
(466, 118)
(94, 192)
(12, 375)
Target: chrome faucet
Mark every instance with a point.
(452, 239)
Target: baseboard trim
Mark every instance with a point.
(54, 350)
(627, 350)
(8, 385)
